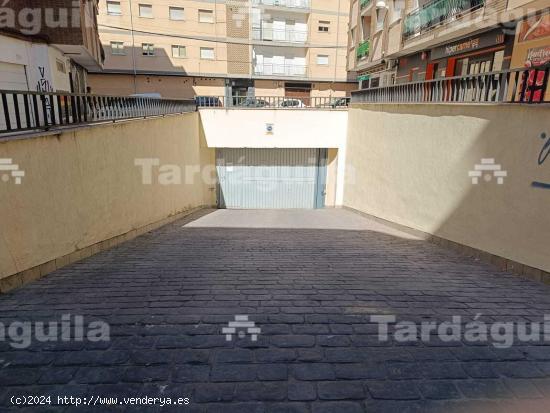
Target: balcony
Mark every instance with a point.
(286, 70)
(291, 4)
(279, 35)
(435, 13)
(364, 3)
(363, 49)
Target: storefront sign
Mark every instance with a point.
(538, 56)
(482, 41)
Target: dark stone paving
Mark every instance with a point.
(168, 294)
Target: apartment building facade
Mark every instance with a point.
(399, 41)
(187, 48)
(49, 45)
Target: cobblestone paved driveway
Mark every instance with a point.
(168, 294)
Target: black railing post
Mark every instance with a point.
(545, 85)
(67, 113)
(27, 111)
(524, 80)
(44, 110)
(60, 109)
(6, 112)
(52, 109)
(17, 114)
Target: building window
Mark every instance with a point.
(206, 16)
(113, 8)
(179, 51)
(207, 53)
(148, 49)
(60, 66)
(324, 26)
(117, 48)
(146, 10)
(322, 59)
(176, 13)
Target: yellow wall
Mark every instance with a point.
(165, 33)
(82, 187)
(180, 87)
(409, 164)
(147, 30)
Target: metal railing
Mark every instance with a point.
(273, 69)
(272, 102)
(279, 35)
(434, 13)
(363, 49)
(301, 4)
(364, 3)
(24, 111)
(511, 86)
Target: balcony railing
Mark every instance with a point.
(277, 35)
(273, 69)
(363, 49)
(273, 102)
(22, 110)
(364, 3)
(300, 4)
(511, 86)
(436, 12)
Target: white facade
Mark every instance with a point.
(31, 66)
(278, 61)
(280, 27)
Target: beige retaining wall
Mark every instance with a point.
(82, 189)
(409, 164)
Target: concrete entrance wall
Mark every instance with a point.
(283, 128)
(410, 164)
(82, 190)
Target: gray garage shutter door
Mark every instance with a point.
(271, 178)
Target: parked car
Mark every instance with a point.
(292, 103)
(341, 102)
(255, 103)
(152, 95)
(209, 101)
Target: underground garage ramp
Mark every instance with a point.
(271, 178)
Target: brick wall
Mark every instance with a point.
(238, 25)
(77, 24)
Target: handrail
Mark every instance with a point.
(29, 110)
(436, 12)
(279, 35)
(507, 86)
(275, 69)
(301, 4)
(272, 102)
